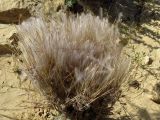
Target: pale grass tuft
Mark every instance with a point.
(76, 62)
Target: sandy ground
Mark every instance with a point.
(17, 97)
(136, 102)
(20, 101)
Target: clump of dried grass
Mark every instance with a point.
(76, 62)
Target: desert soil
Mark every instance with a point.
(19, 100)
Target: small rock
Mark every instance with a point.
(5, 49)
(150, 61)
(134, 84)
(15, 15)
(23, 76)
(147, 60)
(6, 32)
(156, 93)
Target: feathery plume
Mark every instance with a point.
(76, 62)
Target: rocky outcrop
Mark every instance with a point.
(14, 15)
(15, 11)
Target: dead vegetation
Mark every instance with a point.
(76, 62)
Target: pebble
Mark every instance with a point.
(156, 93)
(147, 60)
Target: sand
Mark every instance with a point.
(19, 100)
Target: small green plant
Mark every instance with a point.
(70, 3)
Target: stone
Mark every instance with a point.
(14, 15)
(147, 60)
(13, 11)
(156, 93)
(6, 32)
